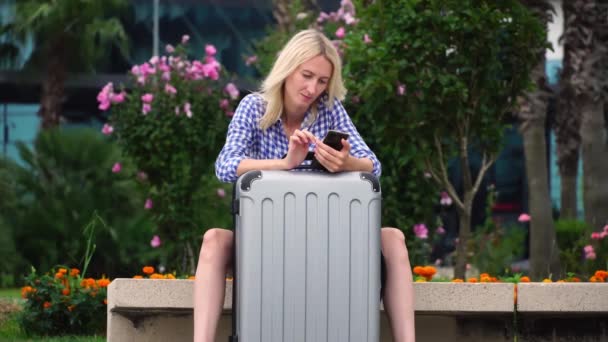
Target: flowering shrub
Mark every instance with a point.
(63, 302)
(172, 123)
(595, 252)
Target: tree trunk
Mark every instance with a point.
(464, 233)
(568, 192)
(595, 163)
(544, 253)
(53, 88)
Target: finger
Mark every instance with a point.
(302, 135)
(310, 136)
(296, 139)
(328, 155)
(345, 146)
(323, 161)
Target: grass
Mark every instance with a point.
(11, 332)
(10, 293)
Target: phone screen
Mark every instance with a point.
(333, 139)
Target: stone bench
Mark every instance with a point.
(161, 310)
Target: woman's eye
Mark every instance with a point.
(307, 75)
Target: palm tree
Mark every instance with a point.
(544, 254)
(591, 82)
(568, 120)
(69, 36)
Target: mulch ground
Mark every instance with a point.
(7, 307)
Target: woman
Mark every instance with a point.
(298, 102)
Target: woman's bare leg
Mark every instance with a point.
(399, 289)
(210, 282)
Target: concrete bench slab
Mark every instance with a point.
(583, 298)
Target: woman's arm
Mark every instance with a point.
(260, 164)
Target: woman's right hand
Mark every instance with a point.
(298, 148)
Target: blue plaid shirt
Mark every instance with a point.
(246, 140)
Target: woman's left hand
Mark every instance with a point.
(333, 160)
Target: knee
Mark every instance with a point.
(217, 245)
(393, 244)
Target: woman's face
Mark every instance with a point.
(306, 83)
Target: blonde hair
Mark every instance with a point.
(302, 47)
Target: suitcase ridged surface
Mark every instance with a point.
(308, 257)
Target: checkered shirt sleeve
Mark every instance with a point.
(239, 138)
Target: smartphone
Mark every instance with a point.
(333, 139)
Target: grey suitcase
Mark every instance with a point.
(307, 257)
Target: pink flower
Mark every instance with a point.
(155, 242)
(147, 98)
(367, 39)
(606, 228)
(105, 105)
(142, 176)
(524, 218)
(421, 231)
(210, 50)
(603, 235)
(251, 59)
(169, 48)
(232, 90)
(340, 32)
(146, 108)
(438, 262)
(588, 249)
(116, 168)
(229, 113)
(595, 236)
(224, 103)
(169, 89)
(149, 204)
(445, 199)
(118, 98)
(440, 231)
(107, 129)
(187, 109)
(221, 193)
(468, 267)
(590, 256)
(185, 38)
(401, 89)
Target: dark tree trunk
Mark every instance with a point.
(53, 87)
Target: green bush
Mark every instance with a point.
(572, 236)
(172, 123)
(62, 302)
(62, 181)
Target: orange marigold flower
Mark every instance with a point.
(494, 279)
(26, 290)
(192, 278)
(457, 280)
(156, 276)
(595, 279)
(561, 281)
(138, 277)
(148, 269)
(103, 282)
(63, 270)
(418, 270)
(524, 279)
(547, 280)
(90, 282)
(170, 276)
(65, 292)
(575, 280)
(74, 272)
(601, 274)
(59, 275)
(472, 280)
(484, 275)
(46, 305)
(485, 278)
